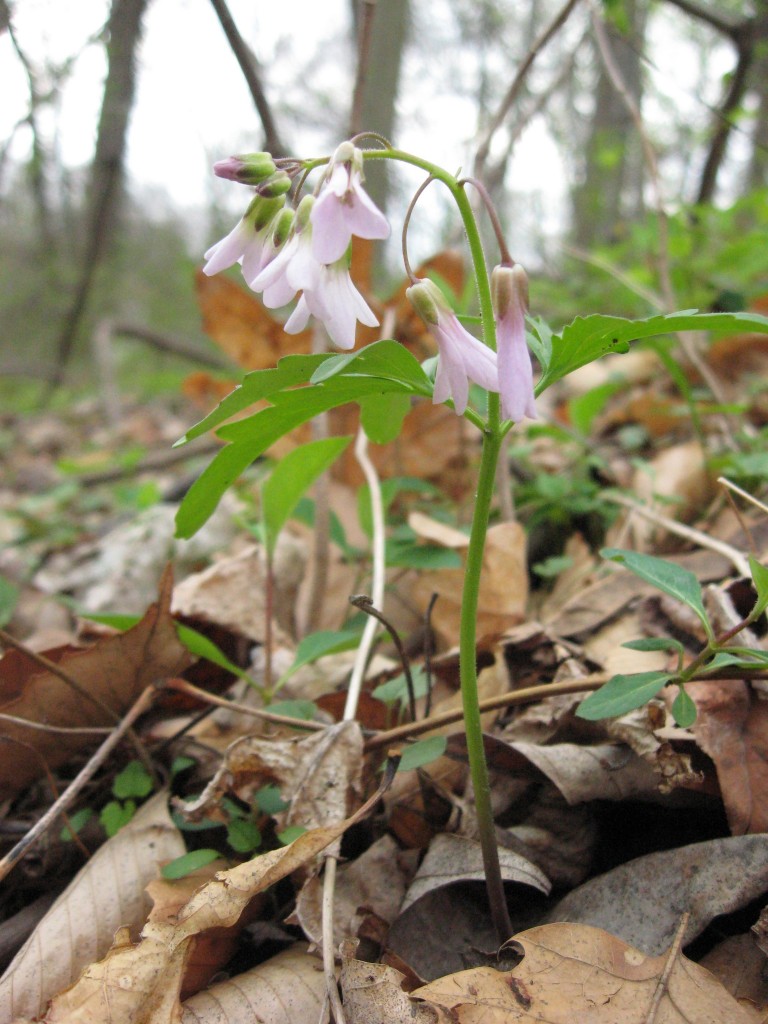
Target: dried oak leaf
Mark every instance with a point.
(106, 679)
(574, 972)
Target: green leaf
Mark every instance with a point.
(290, 834)
(386, 360)
(133, 780)
(666, 576)
(422, 752)
(552, 566)
(382, 416)
(252, 436)
(655, 643)
(588, 338)
(303, 710)
(397, 689)
(293, 475)
(188, 862)
(194, 826)
(318, 645)
(683, 709)
(243, 835)
(583, 408)
(115, 815)
(621, 694)
(9, 596)
(289, 372)
(269, 801)
(77, 821)
(412, 554)
(760, 579)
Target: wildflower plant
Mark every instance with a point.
(295, 246)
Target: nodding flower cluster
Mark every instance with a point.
(285, 252)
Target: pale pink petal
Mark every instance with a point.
(330, 233)
(299, 318)
(229, 249)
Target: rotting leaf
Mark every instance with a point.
(109, 677)
(577, 973)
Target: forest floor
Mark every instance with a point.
(185, 874)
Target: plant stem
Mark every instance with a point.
(469, 692)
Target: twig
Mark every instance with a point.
(429, 651)
(742, 493)
(674, 952)
(182, 686)
(77, 785)
(538, 45)
(245, 58)
(58, 729)
(364, 603)
(734, 556)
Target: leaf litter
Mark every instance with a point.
(624, 840)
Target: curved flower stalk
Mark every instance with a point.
(344, 208)
(462, 357)
(509, 290)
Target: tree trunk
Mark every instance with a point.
(613, 162)
(107, 171)
(378, 81)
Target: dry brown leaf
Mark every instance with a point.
(576, 973)
(643, 899)
(140, 984)
(732, 727)
(503, 587)
(231, 592)
(372, 885)
(373, 993)
(287, 989)
(739, 963)
(319, 774)
(114, 672)
(241, 326)
(678, 473)
(107, 893)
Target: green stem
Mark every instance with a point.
(493, 433)
(469, 692)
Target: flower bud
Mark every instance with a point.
(261, 211)
(283, 228)
(276, 184)
(509, 289)
(303, 211)
(427, 299)
(248, 169)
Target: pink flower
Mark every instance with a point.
(344, 208)
(509, 289)
(294, 268)
(336, 303)
(462, 357)
(249, 242)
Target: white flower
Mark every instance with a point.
(344, 208)
(336, 303)
(462, 357)
(249, 242)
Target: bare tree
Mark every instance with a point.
(107, 171)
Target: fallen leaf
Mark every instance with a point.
(739, 963)
(373, 993)
(106, 894)
(140, 984)
(241, 326)
(372, 885)
(642, 900)
(287, 989)
(577, 973)
(503, 586)
(732, 727)
(109, 677)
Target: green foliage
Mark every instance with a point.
(422, 752)
(294, 474)
(666, 576)
(133, 780)
(116, 814)
(382, 368)
(302, 710)
(188, 862)
(395, 691)
(77, 822)
(9, 596)
(318, 645)
(622, 694)
(760, 579)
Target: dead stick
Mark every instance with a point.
(78, 784)
(674, 952)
